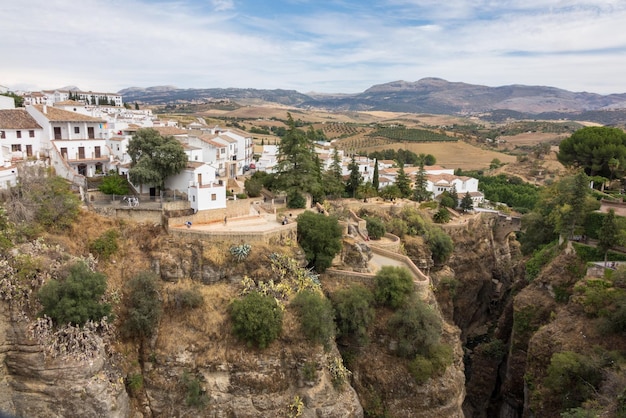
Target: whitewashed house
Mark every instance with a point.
(21, 136)
(77, 144)
(7, 102)
(204, 190)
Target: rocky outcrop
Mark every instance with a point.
(474, 290)
(34, 385)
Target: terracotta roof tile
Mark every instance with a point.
(59, 115)
(17, 119)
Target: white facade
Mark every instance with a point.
(7, 102)
(21, 136)
(204, 191)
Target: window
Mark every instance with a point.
(90, 132)
(57, 133)
(213, 196)
(16, 147)
(31, 134)
(76, 129)
(19, 134)
(97, 152)
(3, 135)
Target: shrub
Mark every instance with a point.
(539, 259)
(241, 196)
(421, 369)
(375, 228)
(134, 382)
(495, 349)
(114, 185)
(105, 245)
(393, 286)
(440, 356)
(253, 187)
(143, 304)
(195, 396)
(353, 307)
(417, 327)
(572, 378)
(257, 319)
(296, 200)
(442, 216)
(185, 299)
(397, 227)
(316, 316)
(57, 206)
(76, 299)
(440, 245)
(320, 238)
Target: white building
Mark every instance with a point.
(21, 136)
(7, 102)
(77, 144)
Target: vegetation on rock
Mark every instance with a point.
(256, 319)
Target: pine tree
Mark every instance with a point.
(298, 169)
(608, 233)
(355, 179)
(375, 180)
(333, 177)
(455, 196)
(420, 191)
(403, 182)
(467, 203)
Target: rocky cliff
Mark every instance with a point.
(192, 365)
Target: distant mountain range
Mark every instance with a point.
(428, 95)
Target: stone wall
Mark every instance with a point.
(281, 235)
(233, 209)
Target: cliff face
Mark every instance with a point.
(474, 291)
(193, 366)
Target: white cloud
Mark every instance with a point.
(574, 44)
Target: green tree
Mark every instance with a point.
(354, 312)
(257, 319)
(608, 233)
(75, 299)
(375, 176)
(366, 191)
(455, 197)
(375, 227)
(144, 306)
(355, 179)
(333, 178)
(317, 317)
(393, 286)
(389, 192)
(253, 187)
(420, 191)
(572, 378)
(154, 157)
(442, 216)
(593, 148)
(298, 170)
(320, 238)
(467, 203)
(417, 327)
(114, 184)
(440, 244)
(403, 182)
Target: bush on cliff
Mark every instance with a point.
(417, 328)
(257, 319)
(393, 286)
(317, 318)
(144, 306)
(320, 238)
(77, 298)
(353, 307)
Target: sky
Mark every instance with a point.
(343, 46)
